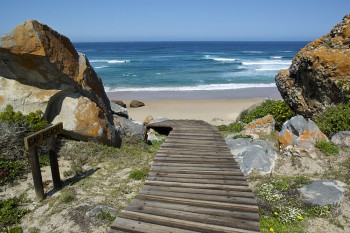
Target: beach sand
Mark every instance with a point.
(214, 107)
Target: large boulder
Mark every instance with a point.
(299, 135)
(320, 73)
(253, 155)
(41, 70)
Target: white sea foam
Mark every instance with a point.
(110, 61)
(220, 59)
(231, 86)
(266, 62)
(100, 67)
(276, 57)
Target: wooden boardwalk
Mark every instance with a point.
(194, 185)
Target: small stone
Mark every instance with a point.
(136, 104)
(148, 120)
(119, 102)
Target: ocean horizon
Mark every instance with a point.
(188, 65)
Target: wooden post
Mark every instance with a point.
(31, 143)
(55, 172)
(37, 179)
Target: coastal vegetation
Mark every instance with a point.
(335, 119)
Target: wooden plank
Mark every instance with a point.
(198, 176)
(130, 225)
(200, 186)
(203, 197)
(200, 191)
(198, 181)
(140, 204)
(168, 151)
(174, 164)
(199, 217)
(190, 168)
(188, 225)
(186, 171)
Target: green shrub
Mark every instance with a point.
(139, 174)
(233, 127)
(280, 111)
(327, 148)
(10, 213)
(242, 136)
(32, 122)
(334, 119)
(105, 215)
(12, 170)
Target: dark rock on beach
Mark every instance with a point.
(41, 70)
(320, 73)
(136, 104)
(119, 102)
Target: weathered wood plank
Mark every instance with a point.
(130, 225)
(195, 226)
(197, 176)
(139, 204)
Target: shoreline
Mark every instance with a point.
(244, 93)
(215, 107)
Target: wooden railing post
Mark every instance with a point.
(31, 143)
(37, 179)
(55, 172)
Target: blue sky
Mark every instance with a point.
(174, 20)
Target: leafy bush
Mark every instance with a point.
(280, 111)
(32, 122)
(11, 170)
(10, 213)
(233, 127)
(242, 136)
(327, 148)
(335, 119)
(139, 174)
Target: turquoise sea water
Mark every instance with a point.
(171, 66)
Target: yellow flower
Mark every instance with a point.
(275, 213)
(271, 229)
(300, 217)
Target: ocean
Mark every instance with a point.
(188, 66)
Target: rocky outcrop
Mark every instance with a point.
(41, 70)
(298, 136)
(320, 73)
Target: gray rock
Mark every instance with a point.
(151, 136)
(132, 128)
(239, 145)
(341, 138)
(98, 209)
(323, 192)
(253, 155)
(119, 110)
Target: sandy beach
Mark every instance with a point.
(215, 107)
